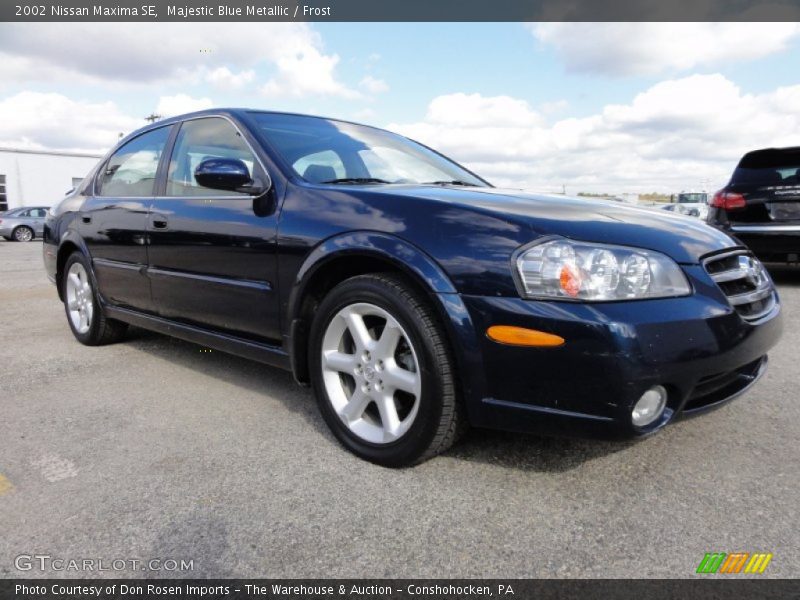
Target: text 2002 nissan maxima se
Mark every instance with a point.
(412, 295)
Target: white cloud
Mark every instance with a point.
(364, 115)
(474, 109)
(652, 48)
(554, 107)
(224, 79)
(674, 135)
(373, 85)
(36, 120)
(169, 106)
(53, 121)
(222, 53)
(304, 72)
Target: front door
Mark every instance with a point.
(34, 217)
(113, 220)
(212, 258)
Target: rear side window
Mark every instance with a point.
(131, 170)
(199, 140)
(769, 167)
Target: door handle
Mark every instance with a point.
(86, 219)
(159, 223)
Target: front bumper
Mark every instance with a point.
(697, 347)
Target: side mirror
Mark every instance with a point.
(227, 174)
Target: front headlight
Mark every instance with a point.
(562, 268)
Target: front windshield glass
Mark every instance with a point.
(326, 151)
(691, 198)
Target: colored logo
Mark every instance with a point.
(736, 562)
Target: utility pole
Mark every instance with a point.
(152, 117)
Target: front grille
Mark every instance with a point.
(744, 281)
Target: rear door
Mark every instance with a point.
(37, 220)
(113, 220)
(212, 253)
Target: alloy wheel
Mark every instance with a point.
(23, 234)
(80, 299)
(371, 373)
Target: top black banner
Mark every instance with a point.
(400, 10)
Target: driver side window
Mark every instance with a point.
(200, 140)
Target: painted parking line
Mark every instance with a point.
(5, 485)
(55, 468)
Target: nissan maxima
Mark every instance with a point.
(414, 297)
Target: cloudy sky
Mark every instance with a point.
(588, 107)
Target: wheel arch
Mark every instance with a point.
(69, 244)
(352, 254)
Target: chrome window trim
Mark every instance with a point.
(221, 197)
(249, 146)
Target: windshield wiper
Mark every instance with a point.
(452, 182)
(357, 180)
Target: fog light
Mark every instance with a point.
(650, 406)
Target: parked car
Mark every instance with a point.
(677, 209)
(692, 204)
(760, 205)
(23, 224)
(415, 298)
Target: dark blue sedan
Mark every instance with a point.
(412, 295)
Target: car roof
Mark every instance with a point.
(771, 158)
(229, 111)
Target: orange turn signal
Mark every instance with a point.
(520, 336)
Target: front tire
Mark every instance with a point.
(84, 312)
(382, 372)
(23, 233)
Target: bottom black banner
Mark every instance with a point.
(404, 589)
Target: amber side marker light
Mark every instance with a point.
(520, 336)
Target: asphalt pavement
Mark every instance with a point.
(155, 449)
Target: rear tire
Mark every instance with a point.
(23, 233)
(84, 312)
(382, 372)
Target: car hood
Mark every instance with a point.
(684, 239)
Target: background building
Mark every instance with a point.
(40, 177)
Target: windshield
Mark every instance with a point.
(325, 151)
(691, 198)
